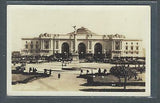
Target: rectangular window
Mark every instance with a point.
(46, 46)
(137, 48)
(117, 48)
(56, 44)
(126, 47)
(37, 51)
(90, 44)
(131, 52)
(26, 46)
(31, 46)
(131, 47)
(37, 46)
(117, 45)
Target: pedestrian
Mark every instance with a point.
(45, 71)
(105, 71)
(99, 71)
(50, 72)
(59, 75)
(35, 70)
(87, 71)
(30, 69)
(81, 71)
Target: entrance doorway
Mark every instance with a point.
(98, 50)
(65, 50)
(81, 50)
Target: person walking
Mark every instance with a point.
(99, 71)
(81, 72)
(87, 71)
(50, 72)
(59, 76)
(45, 71)
(105, 71)
(30, 70)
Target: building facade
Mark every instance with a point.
(84, 42)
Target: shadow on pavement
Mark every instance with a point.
(113, 90)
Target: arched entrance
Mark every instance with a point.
(65, 50)
(81, 50)
(98, 50)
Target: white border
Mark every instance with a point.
(52, 93)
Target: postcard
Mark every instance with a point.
(78, 50)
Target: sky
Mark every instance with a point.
(32, 20)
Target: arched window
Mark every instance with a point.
(81, 50)
(65, 50)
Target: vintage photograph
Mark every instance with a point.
(78, 50)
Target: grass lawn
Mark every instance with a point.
(20, 77)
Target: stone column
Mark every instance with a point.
(75, 43)
(88, 46)
(113, 45)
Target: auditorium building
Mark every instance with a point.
(84, 42)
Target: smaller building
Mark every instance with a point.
(16, 56)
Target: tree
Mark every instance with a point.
(123, 72)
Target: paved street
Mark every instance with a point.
(68, 80)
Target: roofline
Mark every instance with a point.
(132, 39)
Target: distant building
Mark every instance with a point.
(87, 43)
(16, 56)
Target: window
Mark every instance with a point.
(31, 46)
(131, 52)
(126, 47)
(37, 51)
(117, 43)
(56, 44)
(126, 52)
(137, 43)
(126, 43)
(137, 52)
(131, 47)
(46, 46)
(37, 46)
(137, 48)
(117, 46)
(31, 51)
(31, 42)
(26, 46)
(36, 42)
(90, 44)
(26, 42)
(131, 42)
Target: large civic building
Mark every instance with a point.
(84, 42)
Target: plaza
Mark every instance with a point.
(68, 80)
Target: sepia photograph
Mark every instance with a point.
(78, 50)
